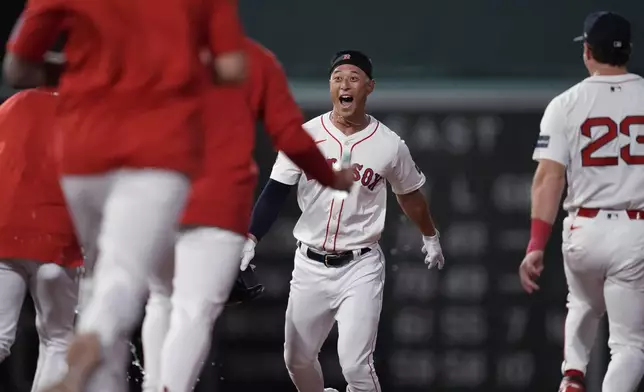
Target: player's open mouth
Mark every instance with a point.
(346, 100)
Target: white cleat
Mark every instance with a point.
(330, 390)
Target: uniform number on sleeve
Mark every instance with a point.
(612, 131)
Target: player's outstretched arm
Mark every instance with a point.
(283, 120)
(415, 206)
(406, 180)
(267, 208)
(265, 213)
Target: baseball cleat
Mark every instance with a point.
(82, 358)
(573, 381)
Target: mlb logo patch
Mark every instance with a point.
(543, 141)
(346, 57)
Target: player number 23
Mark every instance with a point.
(624, 127)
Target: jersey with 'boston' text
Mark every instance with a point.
(378, 156)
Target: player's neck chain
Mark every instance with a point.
(355, 126)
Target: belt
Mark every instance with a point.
(592, 212)
(334, 260)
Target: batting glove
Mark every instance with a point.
(247, 253)
(433, 252)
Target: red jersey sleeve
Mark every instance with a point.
(225, 32)
(36, 30)
(283, 122)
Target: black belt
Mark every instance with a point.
(335, 260)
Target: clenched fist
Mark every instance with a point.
(433, 252)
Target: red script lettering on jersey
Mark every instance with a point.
(368, 177)
(624, 127)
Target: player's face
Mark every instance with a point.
(349, 87)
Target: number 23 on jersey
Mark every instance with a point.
(612, 132)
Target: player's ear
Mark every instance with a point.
(587, 53)
(371, 85)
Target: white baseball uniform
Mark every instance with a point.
(54, 290)
(351, 294)
(131, 215)
(596, 130)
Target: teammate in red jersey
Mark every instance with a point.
(130, 120)
(38, 248)
(217, 217)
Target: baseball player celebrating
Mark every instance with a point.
(593, 134)
(38, 249)
(339, 266)
(130, 110)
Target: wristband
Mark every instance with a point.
(539, 234)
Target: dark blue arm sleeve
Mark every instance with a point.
(268, 207)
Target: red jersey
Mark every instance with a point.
(34, 221)
(223, 195)
(131, 94)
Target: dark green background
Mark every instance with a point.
(413, 39)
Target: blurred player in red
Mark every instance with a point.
(131, 125)
(38, 248)
(218, 213)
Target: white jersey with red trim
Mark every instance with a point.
(596, 130)
(378, 156)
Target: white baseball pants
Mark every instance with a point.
(112, 376)
(156, 323)
(128, 219)
(207, 262)
(604, 265)
(320, 296)
(54, 290)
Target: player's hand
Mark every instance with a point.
(343, 180)
(248, 252)
(530, 270)
(433, 252)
